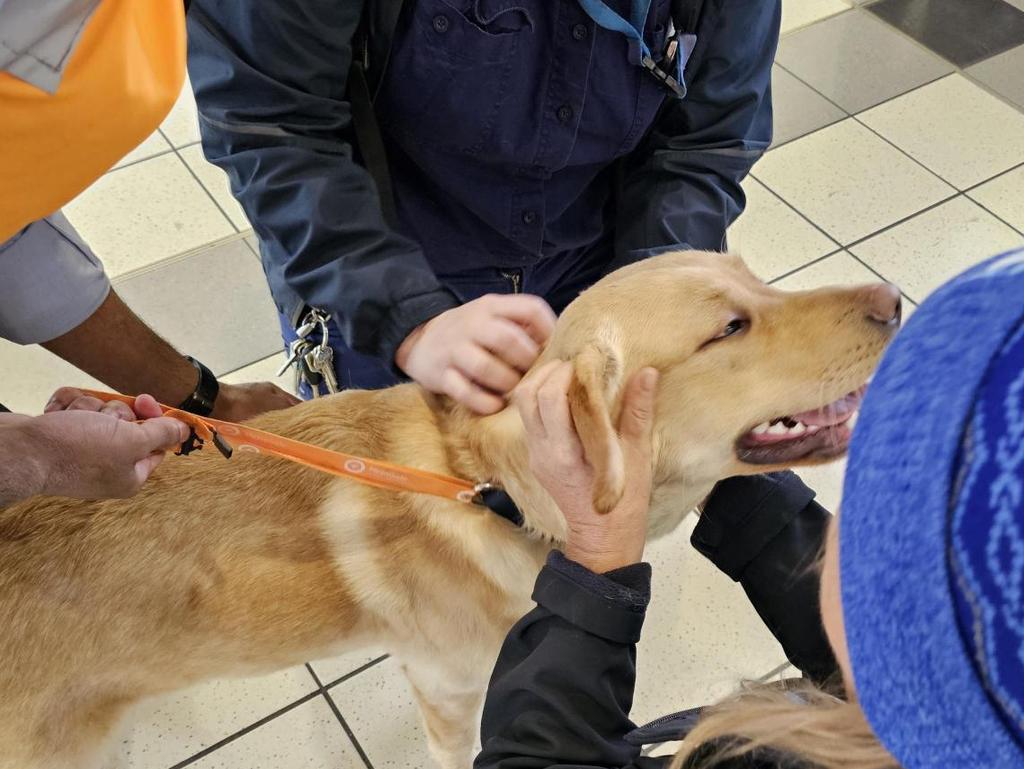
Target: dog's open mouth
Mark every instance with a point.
(822, 433)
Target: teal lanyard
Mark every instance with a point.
(633, 29)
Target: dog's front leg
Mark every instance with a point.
(451, 714)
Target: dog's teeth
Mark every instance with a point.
(798, 429)
(811, 429)
(852, 421)
(778, 429)
(761, 429)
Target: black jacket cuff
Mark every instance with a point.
(611, 606)
(405, 317)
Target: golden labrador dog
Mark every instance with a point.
(244, 566)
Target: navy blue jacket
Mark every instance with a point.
(518, 132)
(562, 687)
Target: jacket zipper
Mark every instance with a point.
(516, 279)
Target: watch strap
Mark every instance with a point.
(203, 398)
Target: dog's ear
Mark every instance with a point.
(597, 376)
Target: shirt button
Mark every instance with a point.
(529, 217)
(441, 23)
(579, 32)
(564, 113)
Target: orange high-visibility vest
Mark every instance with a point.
(121, 78)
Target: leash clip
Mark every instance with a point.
(195, 443)
(479, 490)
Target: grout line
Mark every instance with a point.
(242, 732)
(795, 210)
(802, 267)
(135, 162)
(904, 220)
(773, 672)
(309, 669)
(347, 729)
(882, 277)
(357, 671)
(177, 151)
(1009, 170)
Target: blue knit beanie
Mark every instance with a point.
(932, 530)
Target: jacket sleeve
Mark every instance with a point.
(562, 688)
(682, 186)
(270, 84)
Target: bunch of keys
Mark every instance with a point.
(314, 363)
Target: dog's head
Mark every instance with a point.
(753, 378)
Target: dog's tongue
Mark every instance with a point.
(834, 413)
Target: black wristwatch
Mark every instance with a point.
(203, 398)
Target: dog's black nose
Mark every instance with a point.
(885, 305)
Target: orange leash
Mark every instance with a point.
(371, 472)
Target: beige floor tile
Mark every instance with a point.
(827, 480)
(31, 374)
(926, 251)
(181, 126)
(701, 638)
(308, 737)
(170, 730)
(138, 215)
(379, 708)
(838, 270)
(1004, 196)
(154, 144)
(264, 371)
(848, 181)
(771, 237)
(955, 128)
(800, 13)
(216, 182)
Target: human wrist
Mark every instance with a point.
(603, 559)
(405, 348)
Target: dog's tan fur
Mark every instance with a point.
(227, 568)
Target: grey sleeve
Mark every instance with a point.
(50, 282)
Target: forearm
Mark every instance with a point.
(116, 347)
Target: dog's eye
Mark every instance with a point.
(735, 326)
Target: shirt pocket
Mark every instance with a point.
(37, 38)
(448, 73)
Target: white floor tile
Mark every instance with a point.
(958, 130)
(154, 144)
(800, 13)
(181, 126)
(308, 737)
(771, 237)
(378, 706)
(827, 480)
(265, 371)
(138, 215)
(848, 181)
(701, 638)
(31, 374)
(216, 182)
(926, 251)
(838, 270)
(1004, 196)
(170, 730)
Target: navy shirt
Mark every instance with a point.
(519, 133)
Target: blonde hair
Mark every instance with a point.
(793, 721)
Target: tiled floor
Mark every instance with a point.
(890, 160)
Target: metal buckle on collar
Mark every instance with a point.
(480, 489)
